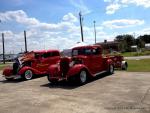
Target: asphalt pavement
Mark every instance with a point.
(122, 92)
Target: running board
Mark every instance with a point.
(100, 73)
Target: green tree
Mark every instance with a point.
(125, 42)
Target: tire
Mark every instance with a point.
(28, 75)
(111, 69)
(125, 66)
(52, 81)
(82, 77)
(9, 79)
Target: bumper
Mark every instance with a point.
(13, 77)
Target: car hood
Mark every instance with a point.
(79, 57)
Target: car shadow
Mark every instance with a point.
(20, 80)
(69, 85)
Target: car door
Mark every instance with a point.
(36, 63)
(50, 58)
(55, 57)
(46, 61)
(97, 61)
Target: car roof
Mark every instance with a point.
(45, 51)
(89, 46)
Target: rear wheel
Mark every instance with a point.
(125, 66)
(9, 79)
(28, 75)
(52, 81)
(82, 77)
(111, 69)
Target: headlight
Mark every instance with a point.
(71, 63)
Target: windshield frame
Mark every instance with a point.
(82, 51)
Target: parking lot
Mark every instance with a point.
(122, 92)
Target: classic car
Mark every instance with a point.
(31, 63)
(85, 62)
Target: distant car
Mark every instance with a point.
(86, 62)
(32, 63)
(119, 62)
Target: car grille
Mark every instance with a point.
(15, 68)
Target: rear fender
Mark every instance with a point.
(109, 62)
(76, 69)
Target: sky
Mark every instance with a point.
(54, 24)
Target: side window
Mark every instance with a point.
(87, 51)
(46, 55)
(37, 56)
(96, 51)
(55, 54)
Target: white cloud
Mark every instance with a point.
(144, 3)
(111, 9)
(18, 16)
(79, 4)
(122, 23)
(115, 5)
(42, 35)
(144, 31)
(70, 17)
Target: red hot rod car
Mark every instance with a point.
(86, 61)
(32, 63)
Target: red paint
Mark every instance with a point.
(39, 62)
(85, 57)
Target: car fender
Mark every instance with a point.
(109, 62)
(76, 69)
(8, 71)
(53, 69)
(23, 69)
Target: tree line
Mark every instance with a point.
(126, 41)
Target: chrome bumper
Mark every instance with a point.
(13, 76)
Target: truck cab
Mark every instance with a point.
(85, 62)
(31, 63)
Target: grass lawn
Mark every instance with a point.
(142, 65)
(128, 54)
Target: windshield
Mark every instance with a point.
(83, 51)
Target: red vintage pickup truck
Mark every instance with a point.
(31, 63)
(86, 62)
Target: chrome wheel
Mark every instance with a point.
(83, 76)
(28, 74)
(111, 69)
(124, 67)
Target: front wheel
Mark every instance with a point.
(9, 79)
(82, 77)
(28, 75)
(52, 81)
(111, 69)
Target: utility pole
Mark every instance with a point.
(81, 19)
(25, 40)
(94, 30)
(3, 48)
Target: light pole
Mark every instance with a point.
(81, 19)
(3, 48)
(94, 30)
(3, 43)
(25, 40)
